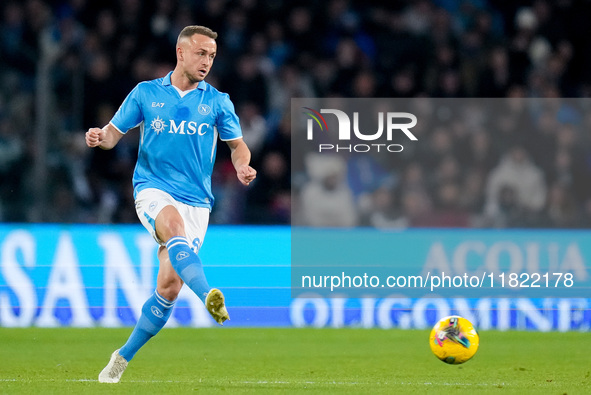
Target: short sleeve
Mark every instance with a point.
(129, 114)
(228, 124)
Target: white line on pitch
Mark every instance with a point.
(262, 382)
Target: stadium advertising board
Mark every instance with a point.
(83, 276)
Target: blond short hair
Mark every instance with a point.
(191, 30)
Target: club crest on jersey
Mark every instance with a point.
(203, 109)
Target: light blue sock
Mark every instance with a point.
(155, 313)
(188, 265)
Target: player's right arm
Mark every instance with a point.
(105, 138)
(128, 116)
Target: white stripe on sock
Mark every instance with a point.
(177, 239)
(169, 245)
(164, 302)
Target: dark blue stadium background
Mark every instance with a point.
(271, 51)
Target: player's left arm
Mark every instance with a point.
(241, 161)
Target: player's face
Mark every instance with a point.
(198, 53)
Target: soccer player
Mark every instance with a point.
(180, 117)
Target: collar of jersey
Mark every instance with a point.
(166, 81)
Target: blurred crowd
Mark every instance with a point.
(270, 51)
(494, 162)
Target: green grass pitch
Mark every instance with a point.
(249, 360)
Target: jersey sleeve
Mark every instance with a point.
(129, 114)
(228, 124)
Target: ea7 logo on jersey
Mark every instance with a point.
(154, 104)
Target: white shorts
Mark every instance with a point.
(150, 201)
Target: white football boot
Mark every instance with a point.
(114, 369)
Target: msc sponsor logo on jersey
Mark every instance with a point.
(184, 127)
(158, 125)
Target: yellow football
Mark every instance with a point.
(454, 340)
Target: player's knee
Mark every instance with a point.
(170, 288)
(176, 227)
(169, 223)
(169, 293)
(168, 229)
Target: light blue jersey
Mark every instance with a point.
(178, 137)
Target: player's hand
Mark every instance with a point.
(94, 137)
(246, 174)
